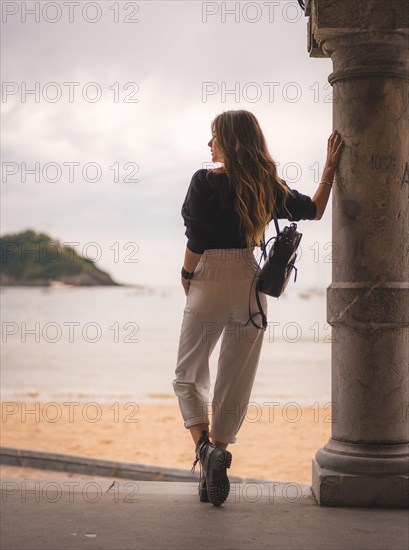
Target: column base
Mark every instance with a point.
(347, 474)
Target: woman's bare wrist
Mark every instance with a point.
(328, 173)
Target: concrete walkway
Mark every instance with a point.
(59, 513)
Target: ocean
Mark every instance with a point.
(119, 344)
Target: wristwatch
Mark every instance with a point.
(187, 274)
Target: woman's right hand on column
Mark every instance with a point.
(335, 145)
(334, 149)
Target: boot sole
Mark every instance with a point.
(219, 487)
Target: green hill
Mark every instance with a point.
(30, 258)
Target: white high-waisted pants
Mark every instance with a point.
(218, 301)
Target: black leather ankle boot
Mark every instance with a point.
(215, 462)
(203, 496)
(202, 488)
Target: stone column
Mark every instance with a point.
(366, 461)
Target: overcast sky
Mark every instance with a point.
(126, 91)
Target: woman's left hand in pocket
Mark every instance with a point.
(185, 284)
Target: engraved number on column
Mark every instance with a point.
(382, 162)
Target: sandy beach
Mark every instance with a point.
(274, 442)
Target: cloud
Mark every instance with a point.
(169, 55)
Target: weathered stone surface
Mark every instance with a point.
(341, 489)
(352, 16)
(366, 462)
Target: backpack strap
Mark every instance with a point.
(263, 244)
(261, 311)
(263, 247)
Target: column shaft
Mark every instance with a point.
(366, 461)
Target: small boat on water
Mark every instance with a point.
(59, 285)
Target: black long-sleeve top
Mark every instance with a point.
(212, 222)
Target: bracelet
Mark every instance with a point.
(187, 274)
(326, 183)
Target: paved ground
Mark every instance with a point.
(60, 513)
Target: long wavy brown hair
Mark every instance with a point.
(250, 168)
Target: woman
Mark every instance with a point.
(225, 212)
